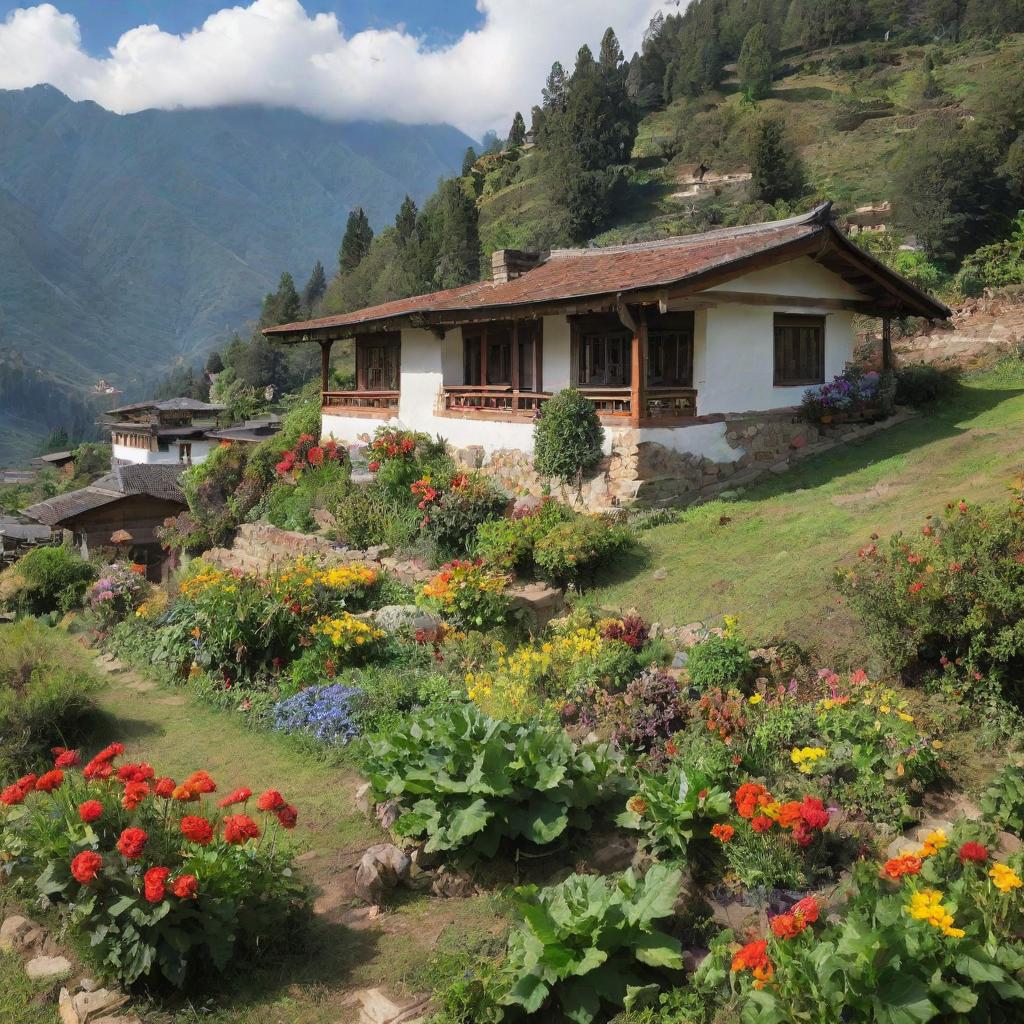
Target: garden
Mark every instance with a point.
(656, 829)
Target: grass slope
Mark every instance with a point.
(769, 557)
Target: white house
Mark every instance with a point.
(172, 430)
(673, 340)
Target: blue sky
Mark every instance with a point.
(470, 64)
(103, 21)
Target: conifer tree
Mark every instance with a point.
(283, 306)
(356, 242)
(468, 159)
(610, 56)
(776, 171)
(755, 63)
(554, 91)
(405, 219)
(517, 133)
(315, 288)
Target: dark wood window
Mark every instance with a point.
(378, 362)
(602, 352)
(799, 350)
(670, 350)
(489, 357)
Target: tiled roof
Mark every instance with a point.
(576, 274)
(124, 480)
(169, 405)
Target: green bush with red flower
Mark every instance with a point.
(468, 594)
(951, 593)
(161, 877)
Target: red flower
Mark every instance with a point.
(749, 797)
(671, 749)
(897, 867)
(64, 758)
(98, 769)
(155, 884)
(90, 810)
(132, 843)
(916, 588)
(786, 926)
(12, 795)
(239, 828)
(270, 801)
(754, 957)
(288, 816)
(723, 833)
(315, 456)
(134, 794)
(164, 788)
(50, 781)
(239, 796)
(86, 866)
(185, 887)
(197, 830)
(812, 810)
(373, 466)
(109, 753)
(973, 852)
(200, 782)
(136, 772)
(762, 823)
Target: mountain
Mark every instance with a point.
(130, 241)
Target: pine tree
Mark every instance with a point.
(214, 363)
(315, 288)
(610, 57)
(776, 171)
(451, 226)
(356, 242)
(468, 159)
(517, 133)
(555, 89)
(405, 219)
(755, 63)
(537, 116)
(283, 306)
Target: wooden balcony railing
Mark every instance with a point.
(361, 403)
(498, 400)
(610, 401)
(669, 403)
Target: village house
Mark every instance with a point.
(695, 350)
(172, 430)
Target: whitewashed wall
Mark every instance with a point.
(200, 452)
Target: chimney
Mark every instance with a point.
(508, 264)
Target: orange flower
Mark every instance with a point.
(749, 797)
(164, 788)
(789, 814)
(271, 800)
(239, 796)
(723, 833)
(897, 867)
(753, 957)
(136, 772)
(197, 830)
(637, 804)
(200, 782)
(762, 823)
(134, 794)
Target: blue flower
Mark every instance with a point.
(323, 712)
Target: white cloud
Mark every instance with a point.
(273, 52)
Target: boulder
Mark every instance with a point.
(380, 871)
(48, 968)
(363, 798)
(13, 932)
(612, 856)
(388, 813)
(377, 1008)
(405, 618)
(452, 884)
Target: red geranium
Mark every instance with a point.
(134, 794)
(762, 823)
(132, 843)
(812, 810)
(12, 795)
(64, 758)
(240, 828)
(155, 884)
(973, 852)
(86, 866)
(288, 816)
(90, 811)
(723, 833)
(239, 796)
(136, 772)
(185, 887)
(197, 830)
(50, 781)
(164, 788)
(270, 801)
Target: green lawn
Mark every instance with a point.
(769, 557)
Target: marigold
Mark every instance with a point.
(723, 833)
(132, 842)
(185, 887)
(271, 800)
(749, 797)
(239, 828)
(787, 926)
(154, 884)
(90, 811)
(238, 796)
(926, 905)
(974, 852)
(197, 830)
(50, 781)
(897, 867)
(1004, 878)
(789, 814)
(933, 842)
(86, 866)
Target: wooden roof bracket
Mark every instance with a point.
(418, 320)
(625, 314)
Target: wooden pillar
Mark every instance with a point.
(515, 361)
(325, 365)
(636, 376)
(887, 359)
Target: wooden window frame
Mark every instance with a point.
(797, 321)
(390, 340)
(605, 327)
(680, 327)
(478, 340)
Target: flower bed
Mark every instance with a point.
(162, 878)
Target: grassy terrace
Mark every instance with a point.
(769, 557)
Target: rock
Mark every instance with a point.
(324, 519)
(659, 574)
(450, 884)
(380, 871)
(363, 799)
(48, 968)
(679, 659)
(1007, 844)
(377, 1008)
(798, 442)
(613, 856)
(388, 813)
(405, 618)
(13, 931)
(525, 505)
(694, 957)
(34, 938)
(87, 1007)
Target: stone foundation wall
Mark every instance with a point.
(650, 473)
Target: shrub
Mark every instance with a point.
(369, 515)
(470, 595)
(852, 390)
(646, 714)
(117, 593)
(721, 661)
(46, 693)
(675, 809)
(509, 543)
(571, 552)
(291, 500)
(994, 266)
(466, 782)
(568, 438)
(157, 880)
(49, 579)
(590, 945)
(1003, 801)
(401, 457)
(332, 642)
(922, 384)
(322, 712)
(953, 594)
(452, 515)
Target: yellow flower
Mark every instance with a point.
(927, 906)
(1004, 878)
(904, 716)
(757, 698)
(804, 758)
(933, 842)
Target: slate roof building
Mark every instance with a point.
(171, 430)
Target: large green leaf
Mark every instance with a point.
(657, 895)
(658, 950)
(467, 822)
(903, 999)
(529, 992)
(580, 1003)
